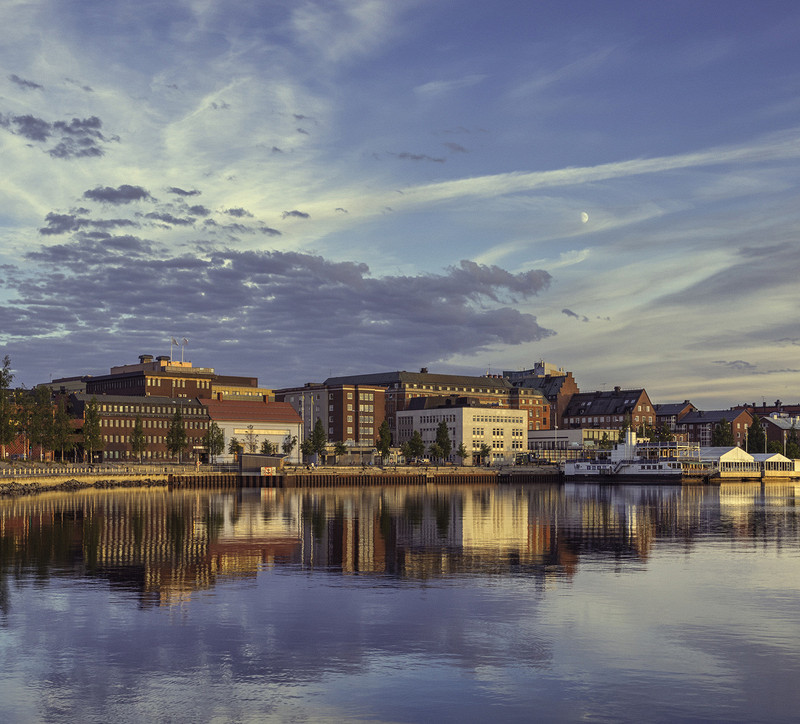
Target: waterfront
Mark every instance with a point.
(515, 603)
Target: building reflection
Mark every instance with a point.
(167, 546)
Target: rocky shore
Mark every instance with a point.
(14, 488)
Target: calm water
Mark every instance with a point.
(532, 603)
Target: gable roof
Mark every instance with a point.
(605, 402)
(702, 417)
(246, 411)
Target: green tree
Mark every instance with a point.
(268, 447)
(235, 448)
(722, 436)
(41, 420)
(319, 440)
(289, 444)
(138, 439)
(605, 443)
(462, 452)
(416, 446)
(339, 449)
(176, 435)
(384, 442)
(215, 441)
(92, 439)
(792, 446)
(307, 447)
(627, 424)
(8, 429)
(435, 451)
(664, 434)
(484, 451)
(756, 437)
(62, 428)
(775, 447)
(443, 440)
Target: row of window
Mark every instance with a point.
(152, 409)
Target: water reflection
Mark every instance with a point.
(402, 604)
(165, 545)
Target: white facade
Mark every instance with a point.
(504, 431)
(246, 431)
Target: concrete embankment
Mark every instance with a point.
(290, 478)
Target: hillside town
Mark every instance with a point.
(160, 409)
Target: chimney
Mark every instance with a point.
(144, 358)
(423, 370)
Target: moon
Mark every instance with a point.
(584, 217)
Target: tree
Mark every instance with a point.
(483, 452)
(462, 452)
(664, 434)
(269, 448)
(443, 440)
(722, 436)
(605, 443)
(792, 446)
(92, 439)
(307, 447)
(176, 435)
(41, 419)
(62, 428)
(138, 440)
(251, 439)
(235, 448)
(215, 440)
(339, 449)
(8, 429)
(319, 440)
(416, 446)
(627, 424)
(435, 451)
(384, 440)
(756, 437)
(775, 447)
(289, 444)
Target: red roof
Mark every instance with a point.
(240, 411)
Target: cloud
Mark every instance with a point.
(295, 214)
(168, 218)
(417, 157)
(736, 365)
(455, 147)
(123, 194)
(24, 84)
(183, 192)
(440, 87)
(239, 213)
(65, 223)
(108, 287)
(570, 313)
(78, 138)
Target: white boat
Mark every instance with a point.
(632, 460)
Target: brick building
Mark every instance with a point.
(609, 408)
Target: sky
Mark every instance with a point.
(303, 189)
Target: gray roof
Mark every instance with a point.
(422, 378)
(606, 402)
(699, 417)
(672, 408)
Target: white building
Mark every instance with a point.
(504, 431)
(252, 423)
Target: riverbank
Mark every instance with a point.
(296, 476)
(59, 485)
